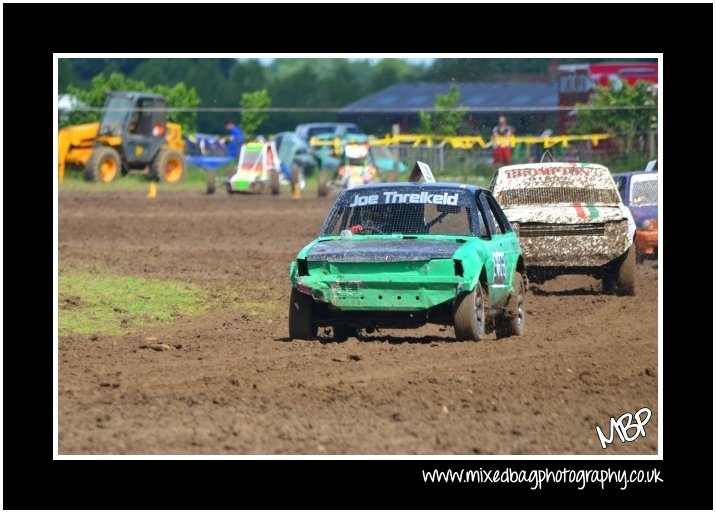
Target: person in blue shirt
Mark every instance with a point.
(233, 147)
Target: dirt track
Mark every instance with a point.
(237, 386)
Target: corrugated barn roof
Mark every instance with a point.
(476, 96)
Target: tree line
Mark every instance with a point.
(301, 82)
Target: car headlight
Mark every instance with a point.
(648, 225)
(516, 228)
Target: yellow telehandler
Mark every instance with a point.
(133, 135)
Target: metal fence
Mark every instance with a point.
(444, 158)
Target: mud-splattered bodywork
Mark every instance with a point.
(411, 273)
(384, 273)
(566, 215)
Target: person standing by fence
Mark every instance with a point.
(237, 139)
(501, 150)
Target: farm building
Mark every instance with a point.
(530, 107)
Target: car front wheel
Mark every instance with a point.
(469, 315)
(620, 276)
(625, 273)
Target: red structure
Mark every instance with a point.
(577, 81)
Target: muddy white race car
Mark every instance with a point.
(570, 219)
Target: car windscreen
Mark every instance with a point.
(114, 114)
(386, 211)
(319, 130)
(644, 190)
(251, 157)
(557, 184)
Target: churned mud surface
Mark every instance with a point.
(230, 382)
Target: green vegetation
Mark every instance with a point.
(179, 95)
(629, 111)
(256, 299)
(318, 83)
(99, 302)
(251, 121)
(630, 117)
(443, 121)
(303, 82)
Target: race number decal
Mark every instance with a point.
(427, 173)
(498, 261)
(421, 170)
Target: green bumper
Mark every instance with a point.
(389, 286)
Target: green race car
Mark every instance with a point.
(400, 255)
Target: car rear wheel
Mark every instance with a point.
(469, 315)
(323, 184)
(512, 323)
(275, 182)
(300, 317)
